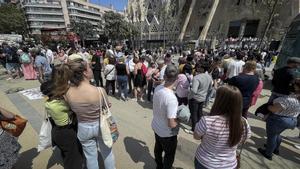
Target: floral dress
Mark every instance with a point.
(9, 150)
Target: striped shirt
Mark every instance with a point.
(290, 105)
(214, 150)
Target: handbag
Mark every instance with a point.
(45, 139)
(239, 154)
(108, 125)
(263, 109)
(15, 127)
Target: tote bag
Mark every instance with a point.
(108, 124)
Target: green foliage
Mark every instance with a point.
(83, 29)
(12, 19)
(116, 27)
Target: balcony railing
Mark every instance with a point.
(46, 19)
(85, 10)
(85, 16)
(48, 26)
(41, 12)
(46, 5)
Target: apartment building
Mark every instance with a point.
(58, 14)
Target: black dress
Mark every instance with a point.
(140, 79)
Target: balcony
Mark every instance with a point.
(43, 5)
(85, 16)
(46, 19)
(40, 12)
(85, 10)
(47, 26)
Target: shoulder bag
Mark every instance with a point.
(108, 125)
(105, 76)
(15, 126)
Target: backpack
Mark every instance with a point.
(144, 69)
(25, 58)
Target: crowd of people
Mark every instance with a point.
(73, 80)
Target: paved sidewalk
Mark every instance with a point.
(134, 149)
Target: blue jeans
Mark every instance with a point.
(275, 125)
(89, 136)
(198, 165)
(122, 84)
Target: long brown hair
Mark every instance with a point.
(66, 74)
(229, 102)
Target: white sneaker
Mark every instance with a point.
(294, 139)
(297, 146)
(142, 100)
(134, 99)
(188, 131)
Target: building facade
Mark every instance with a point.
(209, 20)
(58, 14)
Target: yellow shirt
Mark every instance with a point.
(59, 111)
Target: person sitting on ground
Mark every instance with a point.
(222, 131)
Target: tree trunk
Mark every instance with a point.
(271, 16)
(211, 15)
(186, 21)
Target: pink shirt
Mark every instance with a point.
(183, 85)
(214, 151)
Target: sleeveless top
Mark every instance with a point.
(85, 111)
(121, 69)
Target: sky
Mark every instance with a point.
(118, 4)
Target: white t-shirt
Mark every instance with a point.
(162, 72)
(110, 72)
(235, 68)
(165, 107)
(50, 57)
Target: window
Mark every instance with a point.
(234, 29)
(251, 28)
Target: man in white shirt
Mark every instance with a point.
(162, 67)
(164, 122)
(49, 55)
(236, 66)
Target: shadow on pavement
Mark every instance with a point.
(284, 152)
(26, 159)
(139, 152)
(146, 104)
(55, 159)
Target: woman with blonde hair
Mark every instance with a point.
(86, 101)
(222, 131)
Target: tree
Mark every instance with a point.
(272, 7)
(116, 27)
(83, 29)
(12, 19)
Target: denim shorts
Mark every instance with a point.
(12, 66)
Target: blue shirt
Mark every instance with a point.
(41, 61)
